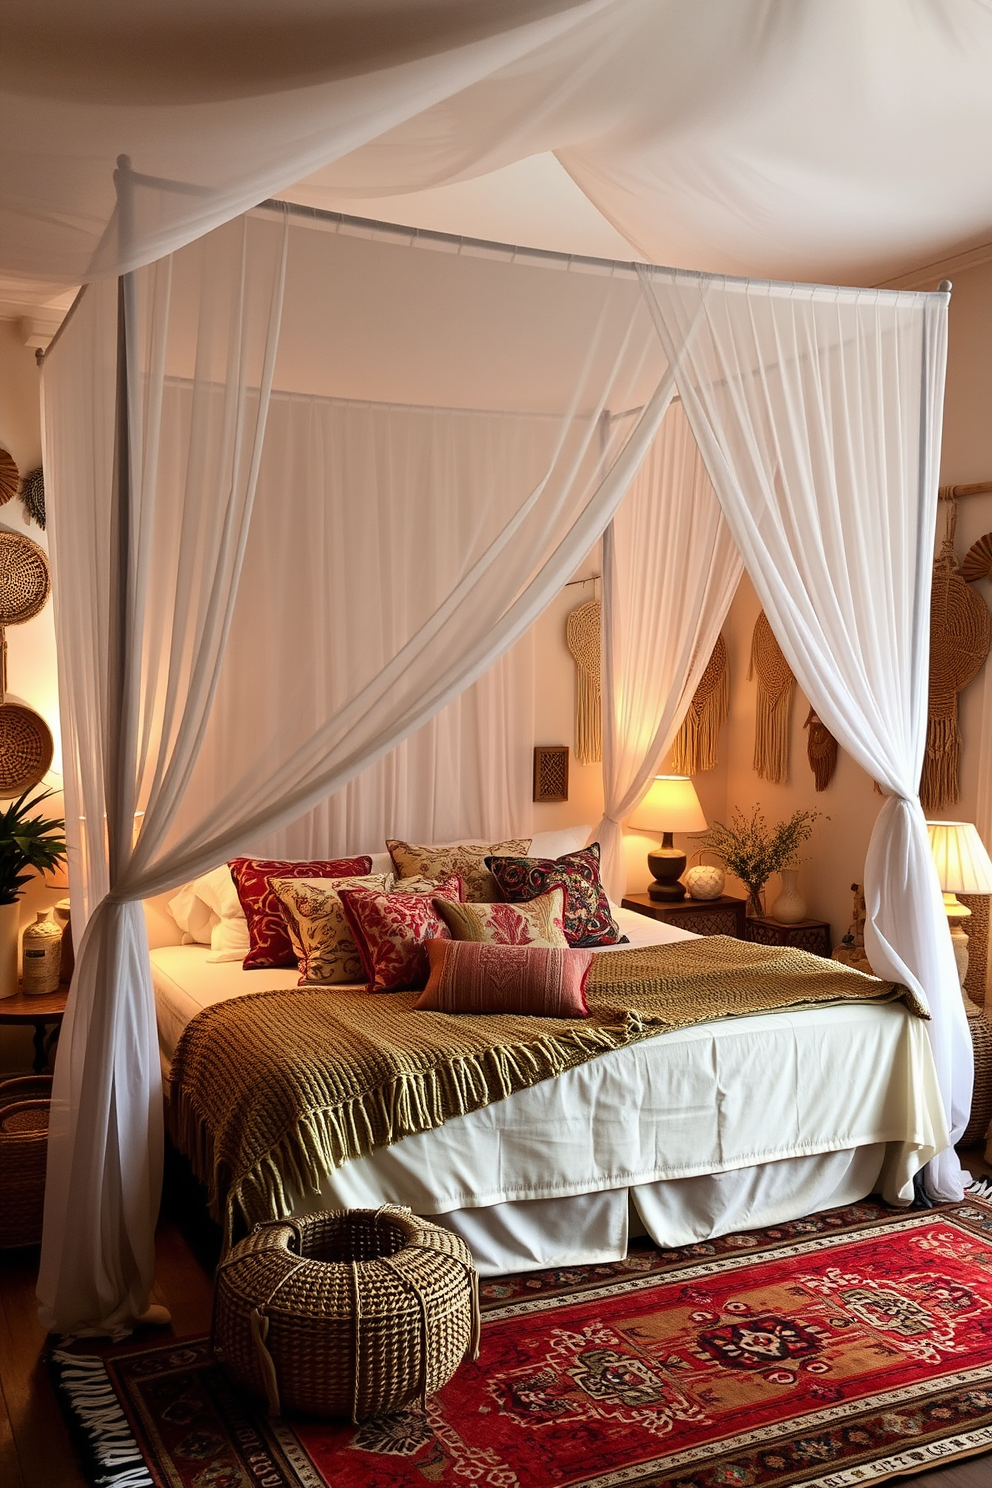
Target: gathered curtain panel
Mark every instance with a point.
(817, 413)
(429, 471)
(670, 571)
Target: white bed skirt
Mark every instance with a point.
(591, 1228)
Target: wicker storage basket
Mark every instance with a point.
(346, 1312)
(24, 1104)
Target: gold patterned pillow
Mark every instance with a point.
(540, 922)
(318, 927)
(466, 859)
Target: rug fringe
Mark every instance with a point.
(980, 1188)
(114, 1458)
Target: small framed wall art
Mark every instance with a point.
(550, 772)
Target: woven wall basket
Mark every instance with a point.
(346, 1313)
(25, 581)
(26, 748)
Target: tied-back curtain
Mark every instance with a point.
(817, 412)
(670, 571)
(450, 474)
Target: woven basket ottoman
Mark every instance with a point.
(24, 1107)
(346, 1313)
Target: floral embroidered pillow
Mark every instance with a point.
(538, 923)
(269, 942)
(588, 921)
(325, 948)
(467, 859)
(391, 931)
(472, 977)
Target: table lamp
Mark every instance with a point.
(963, 867)
(671, 805)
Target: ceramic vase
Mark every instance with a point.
(790, 906)
(10, 915)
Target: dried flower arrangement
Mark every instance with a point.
(753, 852)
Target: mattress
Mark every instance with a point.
(724, 1125)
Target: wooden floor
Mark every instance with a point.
(35, 1451)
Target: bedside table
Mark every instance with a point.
(724, 915)
(806, 935)
(44, 1010)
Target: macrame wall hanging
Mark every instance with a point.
(696, 742)
(960, 637)
(821, 751)
(773, 712)
(582, 633)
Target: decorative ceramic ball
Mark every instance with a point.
(704, 881)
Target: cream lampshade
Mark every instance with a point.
(963, 867)
(671, 805)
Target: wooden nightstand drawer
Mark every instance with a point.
(722, 916)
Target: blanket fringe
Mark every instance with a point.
(409, 1104)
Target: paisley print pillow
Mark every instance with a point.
(588, 921)
(325, 948)
(467, 859)
(269, 942)
(539, 923)
(391, 931)
(543, 981)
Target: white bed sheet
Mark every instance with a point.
(731, 1124)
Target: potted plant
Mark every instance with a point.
(34, 843)
(753, 852)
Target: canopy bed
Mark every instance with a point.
(311, 477)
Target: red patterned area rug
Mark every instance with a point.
(832, 1351)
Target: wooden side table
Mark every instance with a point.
(44, 1010)
(722, 916)
(807, 935)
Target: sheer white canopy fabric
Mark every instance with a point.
(399, 441)
(670, 572)
(800, 138)
(818, 414)
(396, 443)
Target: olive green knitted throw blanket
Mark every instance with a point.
(271, 1091)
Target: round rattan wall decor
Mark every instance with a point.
(26, 748)
(9, 477)
(25, 581)
(978, 560)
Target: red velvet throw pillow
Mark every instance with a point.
(268, 938)
(391, 931)
(588, 921)
(470, 976)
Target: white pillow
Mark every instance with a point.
(212, 900)
(557, 844)
(195, 919)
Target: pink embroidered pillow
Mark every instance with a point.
(391, 931)
(473, 977)
(540, 922)
(268, 937)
